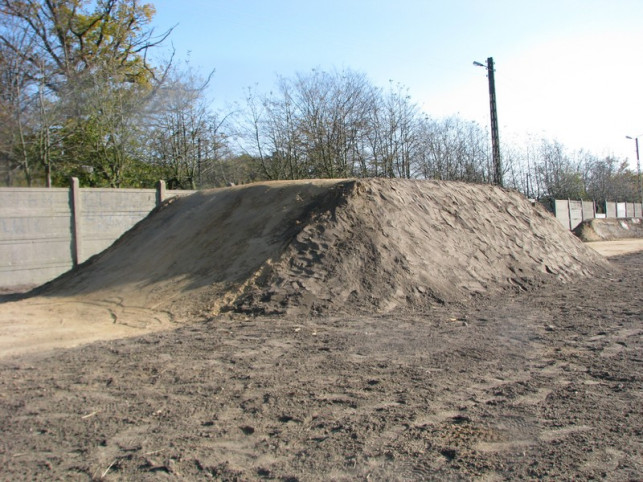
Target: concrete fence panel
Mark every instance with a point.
(105, 214)
(610, 209)
(621, 210)
(46, 231)
(589, 210)
(575, 213)
(561, 210)
(35, 235)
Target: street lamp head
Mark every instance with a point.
(478, 64)
(629, 137)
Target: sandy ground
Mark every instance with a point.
(416, 331)
(40, 324)
(616, 248)
(544, 384)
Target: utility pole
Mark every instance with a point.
(638, 166)
(495, 136)
(638, 170)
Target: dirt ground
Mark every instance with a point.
(543, 384)
(616, 248)
(331, 330)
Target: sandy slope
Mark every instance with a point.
(301, 248)
(391, 245)
(371, 245)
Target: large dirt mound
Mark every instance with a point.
(326, 246)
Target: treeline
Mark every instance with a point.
(80, 97)
(338, 124)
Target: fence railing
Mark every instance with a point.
(46, 231)
(571, 213)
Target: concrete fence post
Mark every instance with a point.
(160, 192)
(76, 239)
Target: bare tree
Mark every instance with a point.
(16, 107)
(453, 149)
(609, 179)
(394, 133)
(187, 139)
(557, 175)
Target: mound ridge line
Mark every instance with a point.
(322, 246)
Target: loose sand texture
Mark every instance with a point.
(544, 384)
(616, 248)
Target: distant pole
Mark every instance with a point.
(638, 166)
(638, 170)
(495, 137)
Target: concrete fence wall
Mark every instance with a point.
(46, 231)
(571, 213)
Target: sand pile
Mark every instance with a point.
(609, 229)
(331, 246)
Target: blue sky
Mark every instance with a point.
(568, 70)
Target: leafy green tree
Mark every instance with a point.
(71, 38)
(609, 179)
(86, 64)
